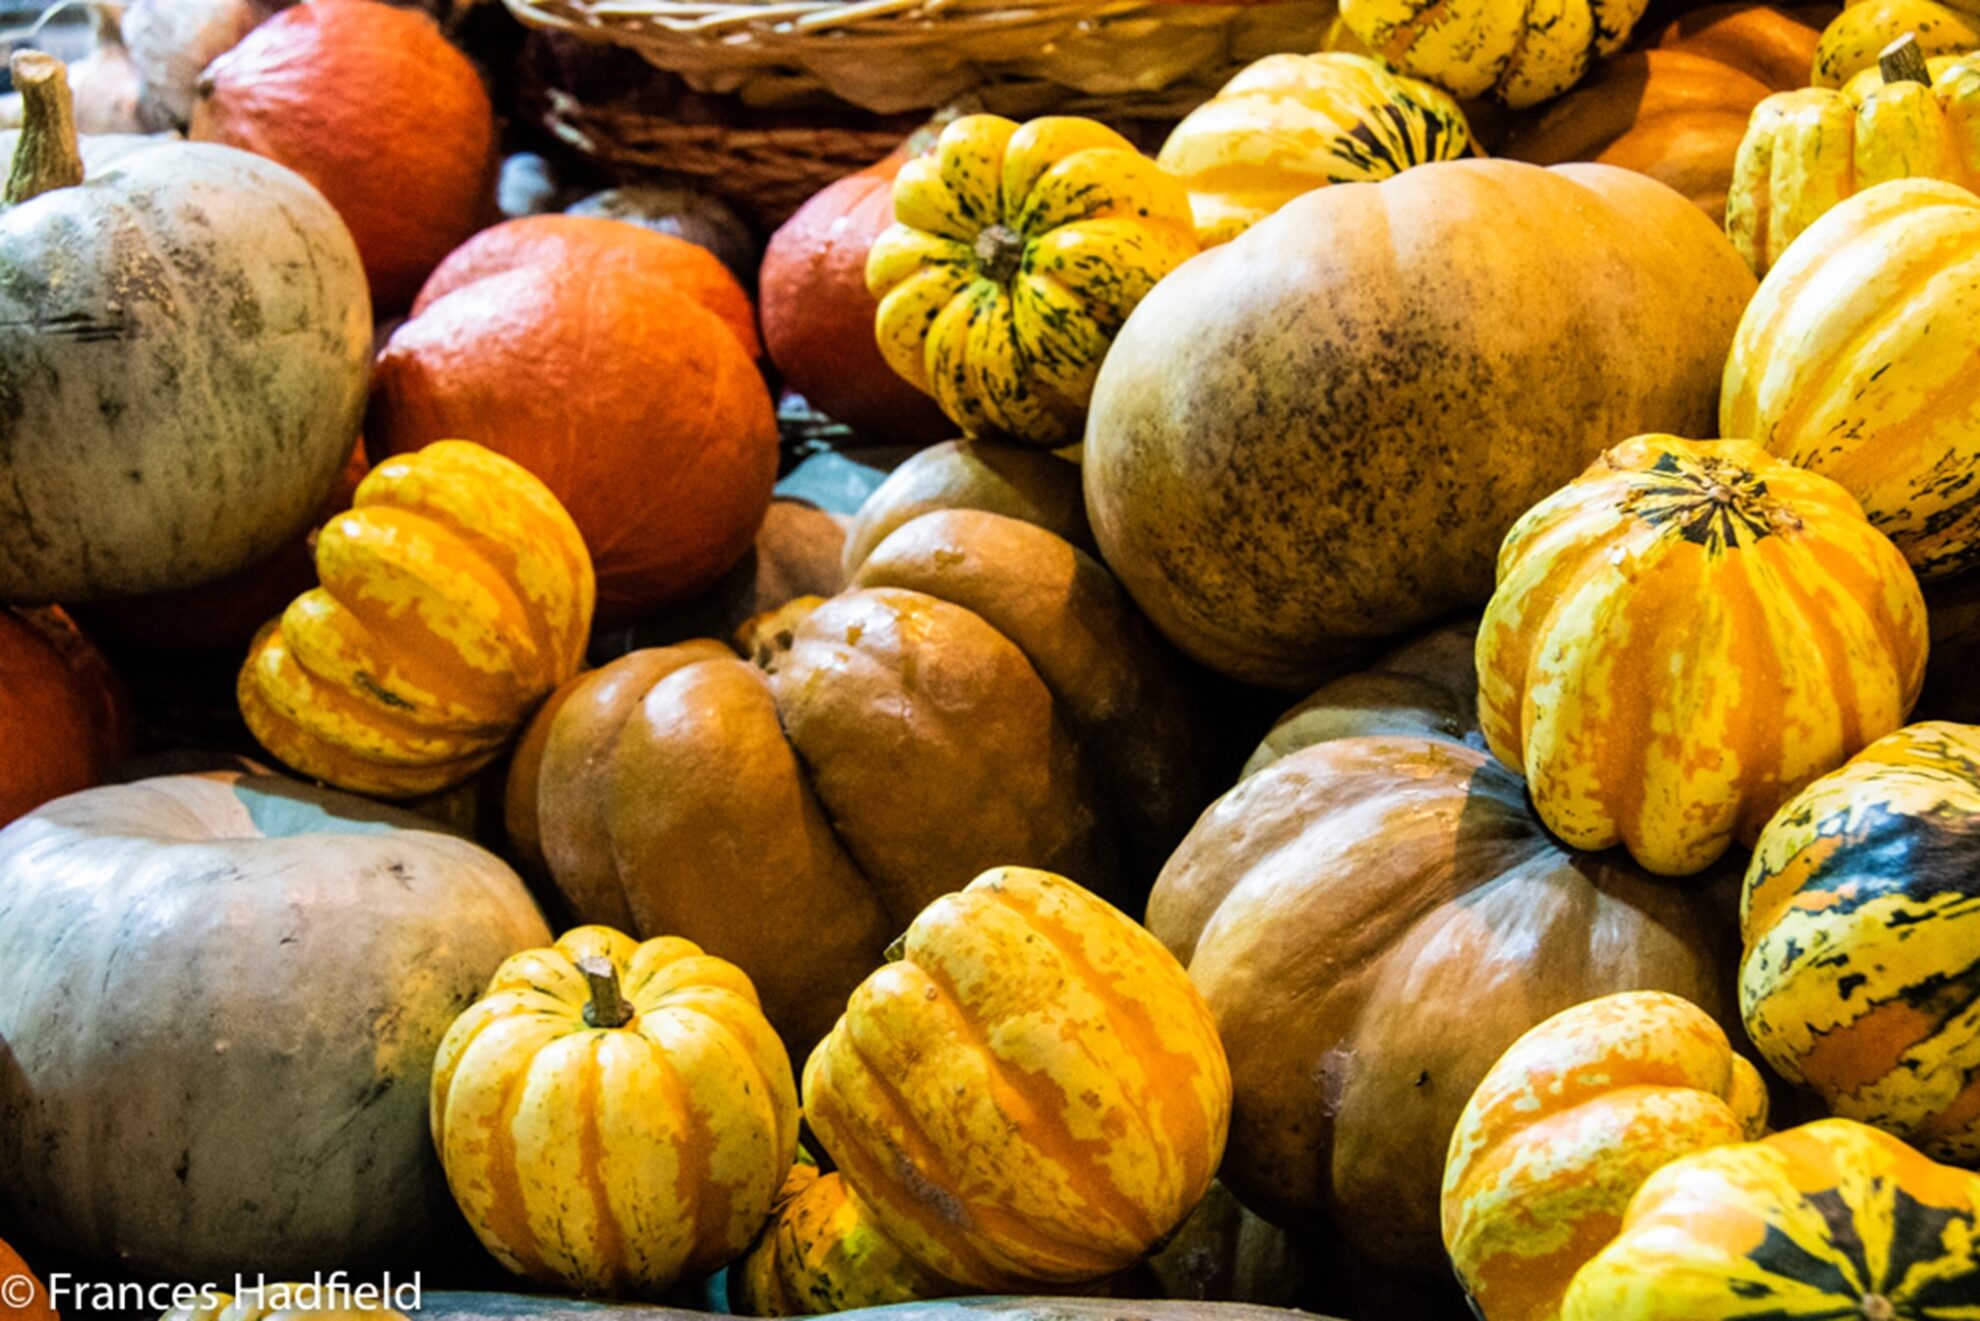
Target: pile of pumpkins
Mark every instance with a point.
(1597, 499)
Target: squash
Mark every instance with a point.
(162, 441)
(1807, 150)
(1026, 484)
(455, 595)
(1225, 1253)
(1341, 910)
(613, 1115)
(1857, 957)
(1016, 254)
(446, 1305)
(1854, 40)
(65, 717)
(1031, 1091)
(1518, 52)
(370, 103)
(1837, 369)
(1364, 326)
(29, 1303)
(1831, 1219)
(1685, 636)
(681, 212)
(172, 41)
(1565, 1128)
(822, 1253)
(227, 990)
(983, 693)
(615, 363)
(1774, 44)
(1291, 123)
(289, 1301)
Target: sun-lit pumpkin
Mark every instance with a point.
(1016, 254)
(456, 594)
(1854, 39)
(1031, 1091)
(65, 719)
(1855, 361)
(1519, 52)
(1685, 636)
(614, 1115)
(1858, 919)
(1829, 1220)
(822, 1252)
(1565, 1128)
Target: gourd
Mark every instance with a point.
(1854, 39)
(1645, 609)
(822, 1253)
(1026, 484)
(65, 717)
(1515, 51)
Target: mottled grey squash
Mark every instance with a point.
(184, 338)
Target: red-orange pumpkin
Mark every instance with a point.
(371, 104)
(65, 721)
(22, 1304)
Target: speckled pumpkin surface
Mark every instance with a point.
(1859, 978)
(822, 1252)
(1685, 636)
(1869, 379)
(1853, 39)
(1520, 52)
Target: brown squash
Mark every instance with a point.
(1033, 485)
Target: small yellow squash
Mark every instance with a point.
(1520, 52)
(1565, 1128)
(614, 1116)
(1685, 636)
(822, 1253)
(1855, 38)
(454, 596)
(1291, 123)
(1016, 254)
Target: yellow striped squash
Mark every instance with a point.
(216, 1306)
(1519, 52)
(1855, 38)
(455, 595)
(1685, 636)
(1804, 151)
(822, 1253)
(1016, 255)
(1831, 1221)
(1855, 360)
(1566, 1127)
(1861, 977)
(1032, 1092)
(1291, 123)
(614, 1116)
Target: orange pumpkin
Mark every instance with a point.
(370, 103)
(1775, 44)
(614, 363)
(65, 721)
(16, 1303)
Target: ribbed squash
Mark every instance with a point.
(614, 1115)
(1566, 1127)
(1291, 123)
(1855, 38)
(1685, 636)
(455, 594)
(1807, 150)
(821, 1253)
(1032, 1091)
(1016, 254)
(1832, 1220)
(1855, 360)
(1519, 52)
(1859, 920)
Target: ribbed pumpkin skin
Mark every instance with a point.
(1291, 123)
(1857, 915)
(1831, 1220)
(615, 1159)
(1033, 1091)
(1016, 255)
(1853, 361)
(1684, 637)
(1519, 52)
(455, 594)
(1566, 1127)
(821, 1253)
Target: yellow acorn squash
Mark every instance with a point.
(1855, 38)
(1520, 52)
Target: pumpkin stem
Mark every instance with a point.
(47, 155)
(1876, 1307)
(1902, 61)
(999, 253)
(608, 1007)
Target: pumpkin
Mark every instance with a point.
(1774, 44)
(65, 718)
(162, 441)
(228, 990)
(1837, 369)
(679, 212)
(172, 41)
(616, 364)
(1291, 123)
(983, 692)
(1516, 51)
(1341, 909)
(455, 595)
(823, 1253)
(1032, 1090)
(1016, 254)
(474, 1306)
(1647, 663)
(1807, 150)
(614, 1115)
(29, 1303)
(1854, 40)
(1031, 485)
(1831, 1219)
(284, 1301)
(818, 316)
(1364, 326)
(1857, 958)
(1565, 1128)
(369, 102)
